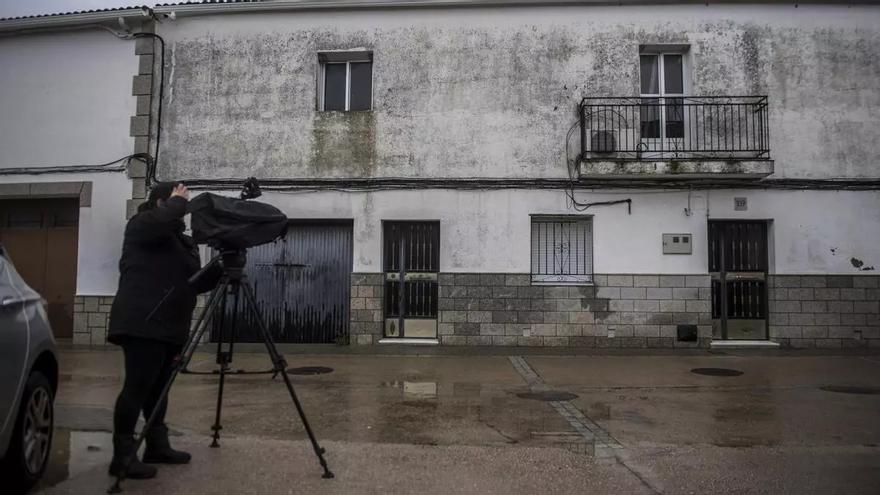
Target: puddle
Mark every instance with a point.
(716, 372)
(848, 389)
(74, 452)
(414, 390)
(309, 370)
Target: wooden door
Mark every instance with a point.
(41, 237)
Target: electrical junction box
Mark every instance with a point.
(677, 244)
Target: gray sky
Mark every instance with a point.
(15, 8)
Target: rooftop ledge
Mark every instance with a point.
(672, 169)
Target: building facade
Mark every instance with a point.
(70, 132)
(538, 174)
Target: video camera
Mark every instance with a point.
(228, 224)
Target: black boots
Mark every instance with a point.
(125, 460)
(159, 450)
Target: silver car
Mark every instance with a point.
(28, 381)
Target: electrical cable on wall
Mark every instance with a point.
(151, 168)
(570, 165)
(149, 161)
(104, 167)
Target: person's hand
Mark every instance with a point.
(180, 190)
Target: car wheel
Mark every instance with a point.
(28, 453)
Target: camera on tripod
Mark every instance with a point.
(230, 226)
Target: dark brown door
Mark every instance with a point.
(412, 262)
(40, 236)
(738, 266)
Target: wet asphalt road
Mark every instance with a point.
(458, 424)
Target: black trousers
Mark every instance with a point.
(148, 367)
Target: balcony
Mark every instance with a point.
(682, 137)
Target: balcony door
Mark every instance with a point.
(662, 112)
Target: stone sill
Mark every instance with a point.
(410, 341)
(744, 344)
(670, 169)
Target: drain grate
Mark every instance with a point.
(548, 396)
(309, 370)
(848, 389)
(716, 371)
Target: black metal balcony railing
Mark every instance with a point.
(675, 128)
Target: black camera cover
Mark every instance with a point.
(231, 223)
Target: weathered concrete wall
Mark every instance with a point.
(812, 232)
(492, 92)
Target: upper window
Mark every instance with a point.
(562, 249)
(662, 77)
(346, 81)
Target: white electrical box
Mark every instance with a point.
(677, 244)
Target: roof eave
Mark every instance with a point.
(50, 22)
(290, 5)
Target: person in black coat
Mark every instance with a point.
(150, 319)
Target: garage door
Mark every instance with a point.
(41, 238)
(301, 304)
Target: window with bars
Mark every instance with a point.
(345, 81)
(562, 249)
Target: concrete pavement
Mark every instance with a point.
(458, 424)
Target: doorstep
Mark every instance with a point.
(744, 344)
(410, 341)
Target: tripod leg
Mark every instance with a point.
(224, 358)
(189, 349)
(281, 367)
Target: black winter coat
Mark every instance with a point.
(155, 300)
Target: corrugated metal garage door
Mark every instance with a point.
(308, 304)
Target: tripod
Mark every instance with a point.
(233, 283)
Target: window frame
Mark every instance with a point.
(338, 58)
(587, 278)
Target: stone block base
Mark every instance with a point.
(90, 317)
(506, 309)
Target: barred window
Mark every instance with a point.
(562, 249)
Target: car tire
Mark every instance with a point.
(28, 452)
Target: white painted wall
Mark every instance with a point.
(65, 99)
(101, 228)
(813, 232)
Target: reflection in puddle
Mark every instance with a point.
(414, 390)
(74, 452)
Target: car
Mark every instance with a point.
(28, 381)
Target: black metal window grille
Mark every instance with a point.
(675, 128)
(411, 256)
(562, 249)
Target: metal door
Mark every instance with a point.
(301, 304)
(41, 237)
(738, 268)
(412, 261)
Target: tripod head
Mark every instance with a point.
(230, 260)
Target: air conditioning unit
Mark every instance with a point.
(603, 142)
